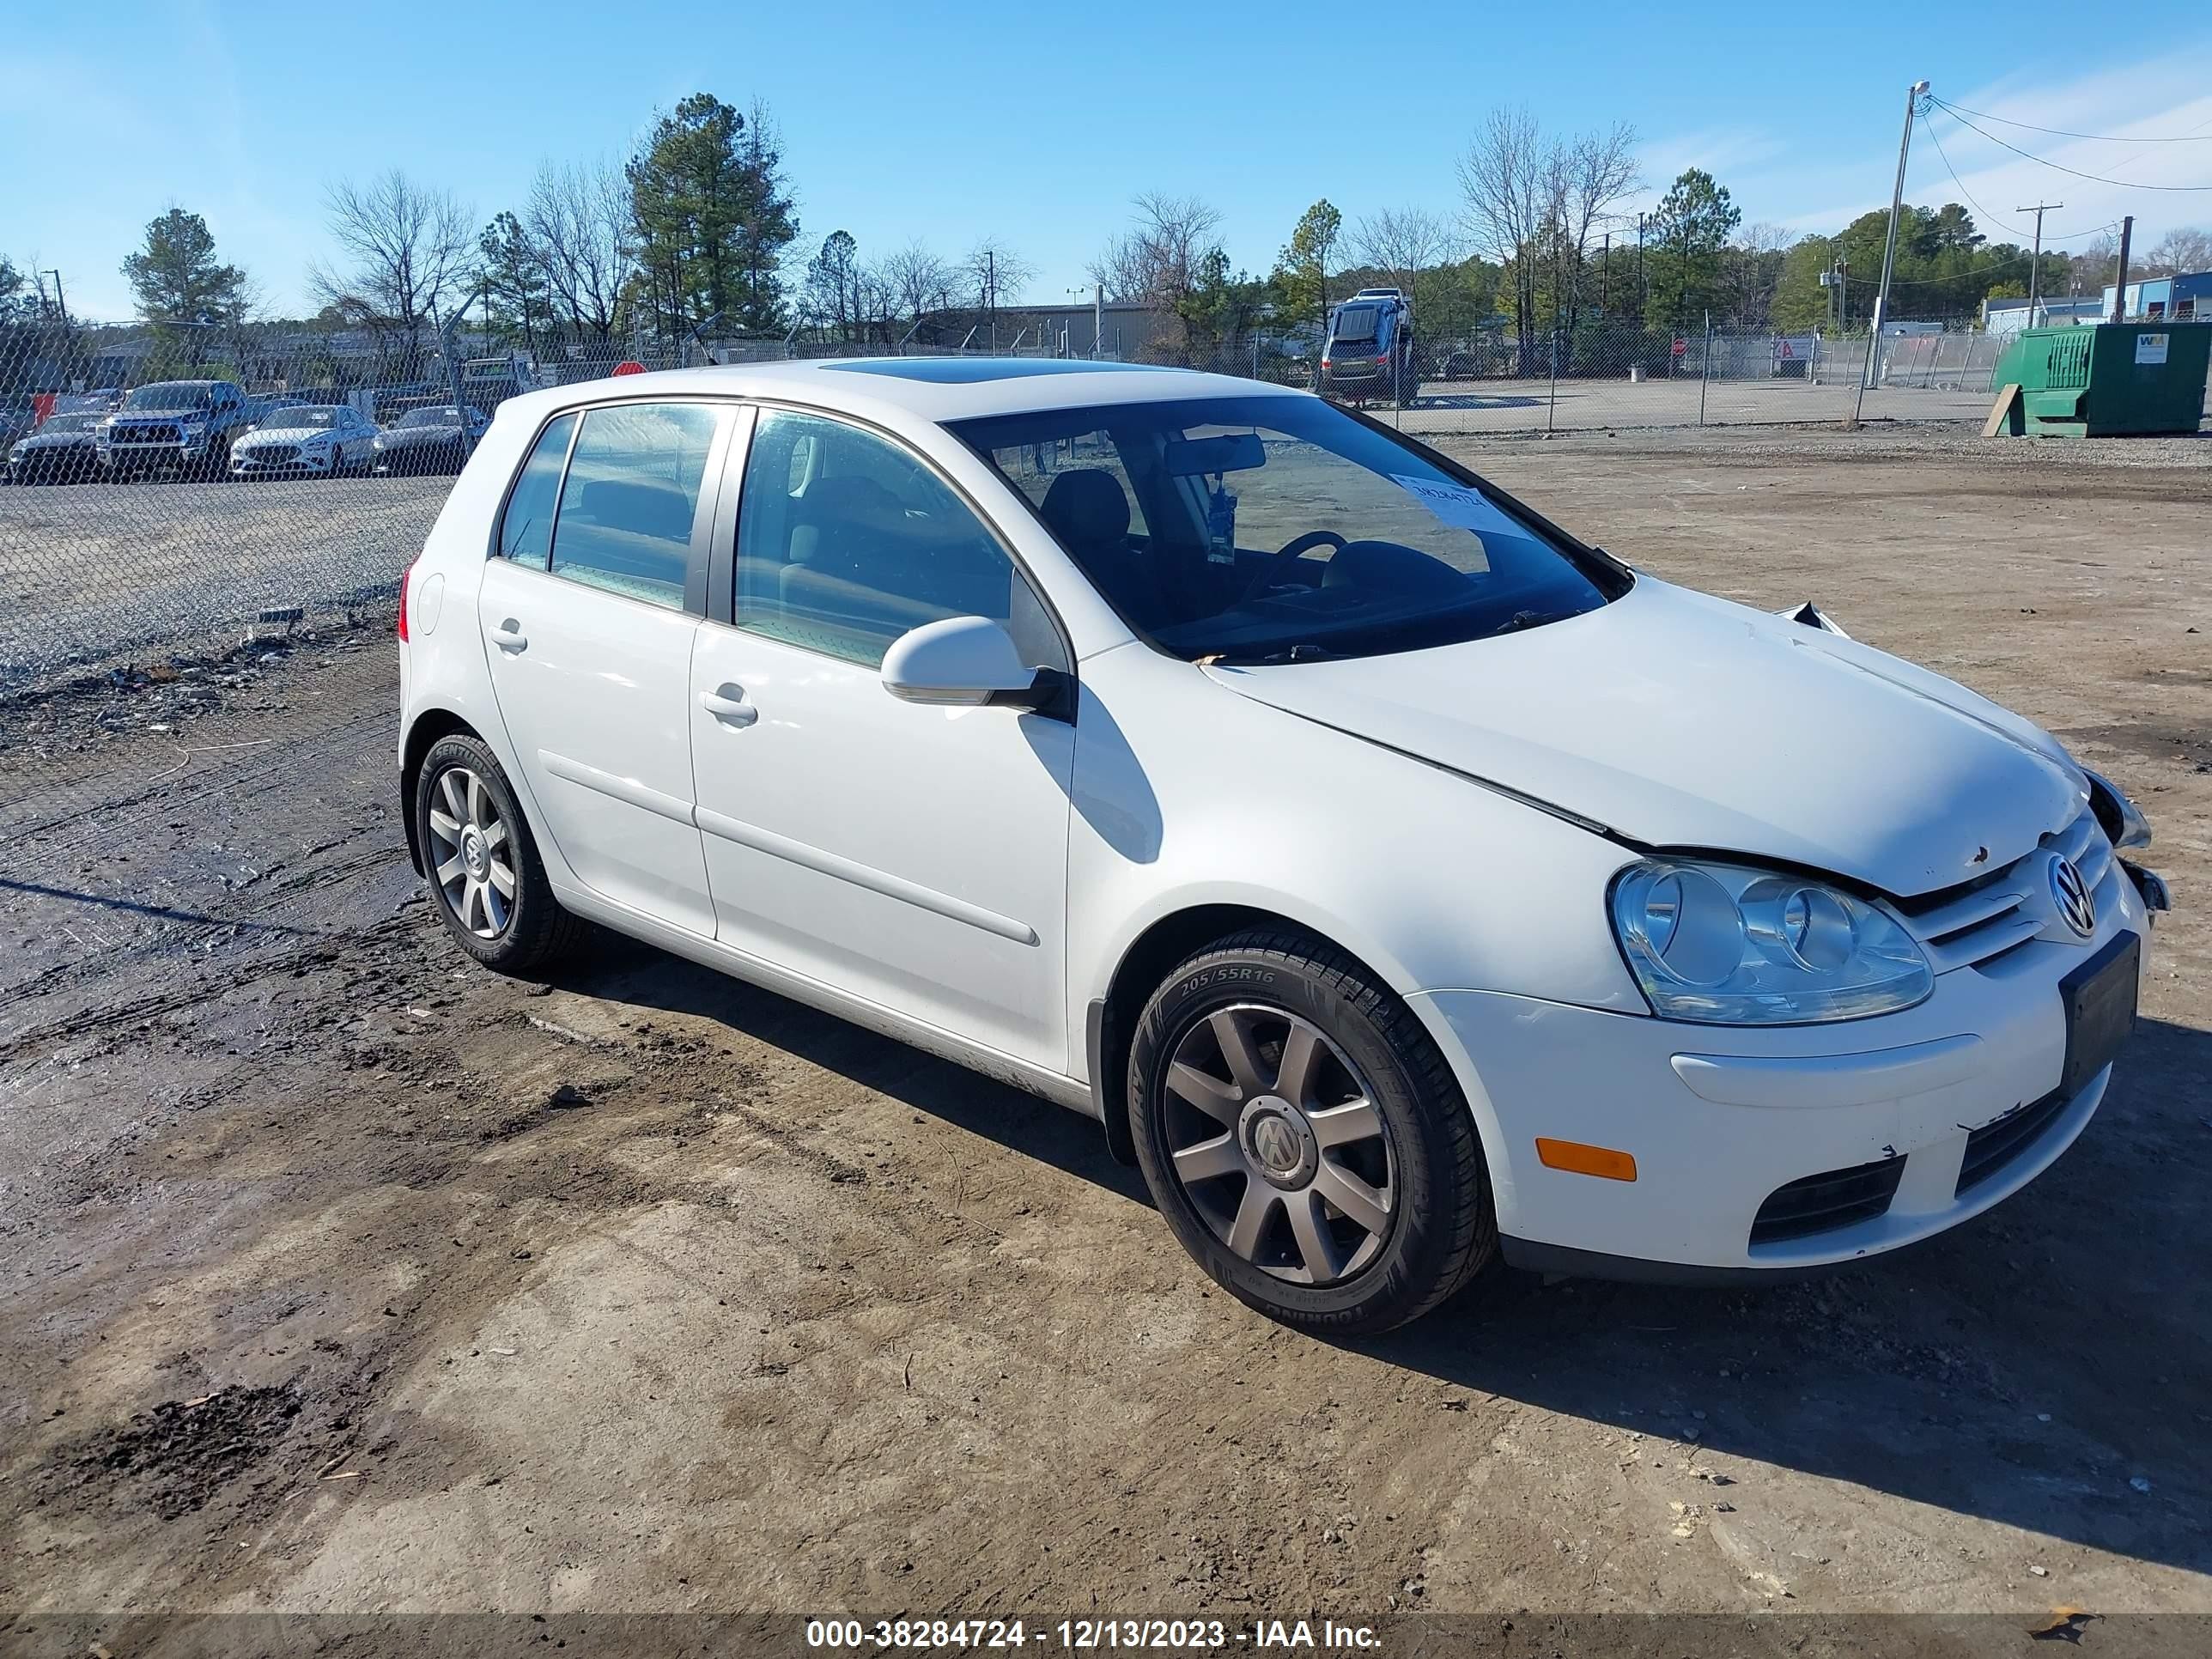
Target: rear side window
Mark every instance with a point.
(631, 497)
(526, 528)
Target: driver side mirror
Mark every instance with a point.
(963, 662)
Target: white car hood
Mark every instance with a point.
(286, 434)
(1679, 720)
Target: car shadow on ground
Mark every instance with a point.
(621, 970)
(2029, 1368)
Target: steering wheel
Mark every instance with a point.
(1291, 552)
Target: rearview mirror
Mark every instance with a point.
(961, 662)
(1230, 452)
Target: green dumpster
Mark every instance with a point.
(2107, 380)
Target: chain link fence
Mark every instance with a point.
(175, 518)
(1608, 378)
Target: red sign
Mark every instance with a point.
(1785, 352)
(629, 369)
(1682, 347)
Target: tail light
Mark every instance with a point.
(405, 577)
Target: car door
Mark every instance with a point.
(915, 856)
(591, 597)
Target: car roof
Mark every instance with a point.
(933, 388)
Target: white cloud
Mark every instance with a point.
(2162, 97)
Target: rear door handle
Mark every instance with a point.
(728, 705)
(509, 636)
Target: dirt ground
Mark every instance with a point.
(341, 1277)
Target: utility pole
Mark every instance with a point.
(2035, 264)
(1321, 273)
(1639, 270)
(2120, 293)
(1889, 249)
(990, 292)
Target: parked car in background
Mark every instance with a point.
(330, 439)
(1401, 882)
(182, 426)
(65, 450)
(429, 439)
(18, 419)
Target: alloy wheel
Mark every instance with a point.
(1276, 1139)
(472, 853)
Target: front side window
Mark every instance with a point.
(525, 527)
(1280, 529)
(630, 498)
(846, 540)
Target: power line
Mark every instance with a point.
(2061, 132)
(2056, 236)
(2059, 166)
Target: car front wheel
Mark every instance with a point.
(1304, 1138)
(485, 874)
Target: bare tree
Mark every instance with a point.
(2186, 248)
(1509, 188)
(410, 249)
(1532, 202)
(1592, 175)
(915, 280)
(1162, 256)
(578, 223)
(996, 272)
(1404, 241)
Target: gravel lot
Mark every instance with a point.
(342, 1277)
(87, 570)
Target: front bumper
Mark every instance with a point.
(245, 464)
(152, 457)
(1721, 1119)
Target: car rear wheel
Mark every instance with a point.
(1304, 1138)
(485, 874)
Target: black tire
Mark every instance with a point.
(536, 931)
(1442, 1230)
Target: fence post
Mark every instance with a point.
(1705, 369)
(1552, 403)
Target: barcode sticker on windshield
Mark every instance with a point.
(1468, 509)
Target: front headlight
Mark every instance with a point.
(1724, 945)
(2120, 818)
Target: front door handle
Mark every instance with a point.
(728, 705)
(509, 636)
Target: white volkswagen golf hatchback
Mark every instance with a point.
(1399, 881)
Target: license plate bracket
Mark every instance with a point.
(2100, 998)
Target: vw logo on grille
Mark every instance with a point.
(2071, 894)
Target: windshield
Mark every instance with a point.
(297, 416)
(71, 423)
(176, 394)
(1282, 529)
(430, 417)
(1356, 322)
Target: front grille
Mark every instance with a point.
(1821, 1203)
(273, 454)
(1993, 1146)
(148, 434)
(1973, 923)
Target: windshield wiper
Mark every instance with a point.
(1523, 619)
(1299, 652)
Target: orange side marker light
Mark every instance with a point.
(1576, 1159)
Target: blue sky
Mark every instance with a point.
(1037, 124)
